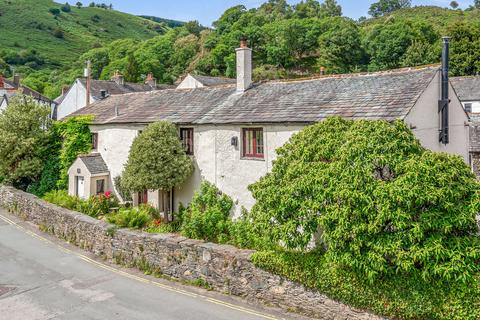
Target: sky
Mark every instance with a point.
(207, 11)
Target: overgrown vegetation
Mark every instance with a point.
(157, 160)
(95, 206)
(208, 215)
(374, 198)
(23, 141)
(35, 153)
(136, 218)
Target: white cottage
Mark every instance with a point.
(10, 89)
(232, 131)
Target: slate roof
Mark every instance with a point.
(113, 88)
(27, 91)
(467, 88)
(94, 163)
(385, 95)
(213, 81)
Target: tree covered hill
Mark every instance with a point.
(40, 34)
(288, 41)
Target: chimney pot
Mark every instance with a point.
(151, 81)
(118, 78)
(243, 43)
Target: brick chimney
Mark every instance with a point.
(151, 81)
(118, 78)
(2, 82)
(244, 66)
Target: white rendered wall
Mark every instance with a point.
(190, 83)
(424, 118)
(75, 99)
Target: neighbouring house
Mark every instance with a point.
(195, 81)
(468, 91)
(232, 131)
(9, 89)
(75, 97)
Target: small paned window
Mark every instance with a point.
(186, 136)
(253, 143)
(468, 107)
(94, 141)
(101, 186)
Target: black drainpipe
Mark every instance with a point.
(444, 101)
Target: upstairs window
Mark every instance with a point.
(94, 140)
(253, 143)
(186, 136)
(468, 107)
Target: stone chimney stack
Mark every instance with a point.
(151, 81)
(244, 66)
(16, 80)
(118, 78)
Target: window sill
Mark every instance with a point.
(252, 158)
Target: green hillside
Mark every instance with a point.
(61, 39)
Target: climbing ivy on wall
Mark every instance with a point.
(76, 140)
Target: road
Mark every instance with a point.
(44, 278)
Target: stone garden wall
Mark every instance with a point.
(225, 268)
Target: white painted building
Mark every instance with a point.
(468, 91)
(75, 97)
(237, 128)
(192, 81)
(10, 89)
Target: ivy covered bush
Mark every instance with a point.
(374, 198)
(208, 215)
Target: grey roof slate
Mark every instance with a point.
(213, 81)
(113, 88)
(21, 89)
(385, 95)
(94, 163)
(467, 88)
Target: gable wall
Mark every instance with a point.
(190, 83)
(74, 100)
(424, 118)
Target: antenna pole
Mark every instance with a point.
(88, 72)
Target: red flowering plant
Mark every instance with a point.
(99, 205)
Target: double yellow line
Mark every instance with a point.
(137, 278)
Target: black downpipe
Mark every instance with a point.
(444, 102)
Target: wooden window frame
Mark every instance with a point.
(188, 144)
(255, 154)
(94, 140)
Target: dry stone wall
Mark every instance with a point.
(225, 268)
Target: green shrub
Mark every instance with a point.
(95, 206)
(396, 297)
(379, 202)
(63, 199)
(133, 217)
(124, 194)
(98, 205)
(207, 216)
